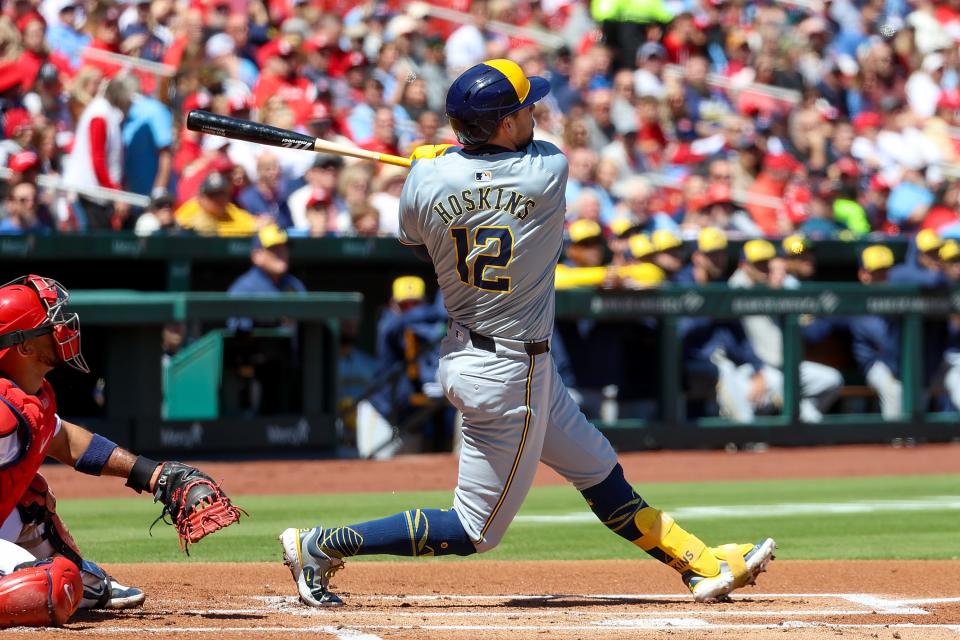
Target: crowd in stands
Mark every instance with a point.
(767, 118)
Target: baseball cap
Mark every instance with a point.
(220, 44)
(584, 230)
(15, 120)
(409, 288)
(779, 161)
(213, 183)
(269, 236)
(932, 62)
(651, 49)
(623, 225)
(950, 251)
(928, 240)
(718, 193)
(295, 26)
(795, 246)
(326, 160)
(24, 161)
(876, 257)
(848, 167)
(664, 240)
(711, 239)
(319, 111)
(641, 246)
(867, 120)
(356, 59)
(755, 251)
(160, 202)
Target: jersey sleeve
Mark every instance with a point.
(409, 227)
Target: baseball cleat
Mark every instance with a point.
(740, 564)
(310, 566)
(122, 597)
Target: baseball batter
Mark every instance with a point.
(490, 216)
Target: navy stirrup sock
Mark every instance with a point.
(418, 532)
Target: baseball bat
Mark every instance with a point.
(237, 129)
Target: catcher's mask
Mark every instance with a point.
(32, 306)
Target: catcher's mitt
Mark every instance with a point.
(195, 503)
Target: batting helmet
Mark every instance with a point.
(485, 94)
(32, 306)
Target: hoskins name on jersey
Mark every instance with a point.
(483, 199)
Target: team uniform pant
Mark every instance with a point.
(888, 388)
(819, 384)
(516, 413)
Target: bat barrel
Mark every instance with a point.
(237, 129)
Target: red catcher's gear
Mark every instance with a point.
(32, 306)
(42, 595)
(34, 418)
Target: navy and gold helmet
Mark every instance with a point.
(485, 94)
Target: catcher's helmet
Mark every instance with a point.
(32, 306)
(485, 94)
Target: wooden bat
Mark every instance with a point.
(237, 129)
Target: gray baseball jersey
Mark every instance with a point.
(493, 225)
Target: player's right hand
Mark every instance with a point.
(429, 151)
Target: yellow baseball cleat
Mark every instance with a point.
(738, 565)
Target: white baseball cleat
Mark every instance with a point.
(122, 597)
(310, 566)
(740, 564)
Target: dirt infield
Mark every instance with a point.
(463, 600)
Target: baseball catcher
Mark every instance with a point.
(44, 577)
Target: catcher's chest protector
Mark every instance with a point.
(32, 420)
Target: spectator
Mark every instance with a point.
(909, 201)
(384, 139)
(148, 146)
(18, 133)
(64, 35)
(263, 198)
(386, 198)
(322, 177)
(22, 213)
(158, 218)
(924, 86)
(210, 213)
(97, 155)
(648, 78)
(365, 220)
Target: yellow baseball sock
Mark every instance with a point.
(668, 542)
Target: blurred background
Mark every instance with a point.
(762, 215)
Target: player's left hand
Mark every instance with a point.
(195, 503)
(429, 151)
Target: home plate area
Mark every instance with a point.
(469, 600)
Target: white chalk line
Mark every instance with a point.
(927, 503)
(341, 614)
(640, 625)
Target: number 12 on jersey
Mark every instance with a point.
(494, 247)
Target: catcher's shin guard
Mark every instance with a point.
(709, 572)
(45, 593)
